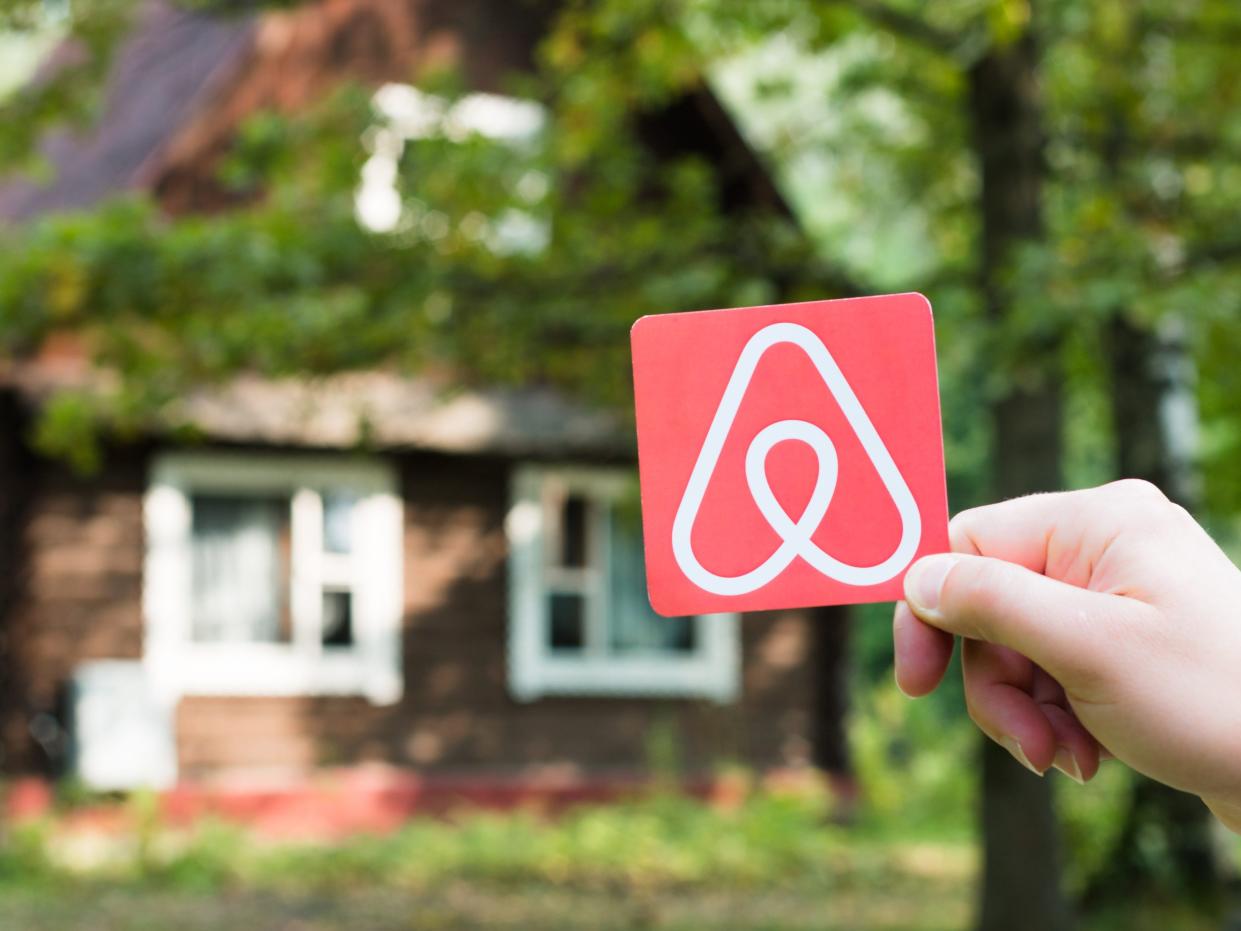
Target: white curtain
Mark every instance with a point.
(633, 626)
(236, 569)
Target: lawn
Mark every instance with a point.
(864, 885)
(771, 863)
(917, 904)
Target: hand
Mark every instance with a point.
(1095, 623)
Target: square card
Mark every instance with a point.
(789, 455)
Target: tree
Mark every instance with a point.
(1135, 237)
(1072, 169)
(1150, 371)
(1021, 886)
(136, 293)
(994, 83)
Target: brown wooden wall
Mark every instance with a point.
(13, 497)
(73, 570)
(82, 542)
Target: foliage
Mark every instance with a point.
(1141, 197)
(913, 761)
(1091, 819)
(772, 861)
(864, 108)
(294, 284)
(514, 871)
(770, 838)
(71, 89)
(915, 765)
(753, 836)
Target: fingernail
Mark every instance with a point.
(898, 627)
(1066, 762)
(900, 688)
(925, 580)
(1013, 746)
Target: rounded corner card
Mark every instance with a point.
(789, 455)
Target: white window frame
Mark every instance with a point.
(535, 670)
(371, 667)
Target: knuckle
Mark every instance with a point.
(959, 530)
(1139, 507)
(1137, 490)
(1181, 514)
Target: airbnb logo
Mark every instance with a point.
(795, 535)
(790, 455)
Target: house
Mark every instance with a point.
(362, 569)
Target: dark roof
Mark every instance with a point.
(162, 73)
(180, 84)
(182, 81)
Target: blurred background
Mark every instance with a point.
(321, 592)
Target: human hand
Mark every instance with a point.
(1097, 622)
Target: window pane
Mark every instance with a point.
(633, 627)
(573, 532)
(337, 619)
(567, 621)
(338, 521)
(238, 568)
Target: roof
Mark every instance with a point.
(163, 73)
(389, 411)
(374, 409)
(183, 81)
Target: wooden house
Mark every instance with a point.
(460, 606)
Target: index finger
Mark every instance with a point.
(1058, 534)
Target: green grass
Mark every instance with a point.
(663, 863)
(917, 905)
(460, 905)
(774, 863)
(658, 842)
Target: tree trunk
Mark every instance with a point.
(15, 472)
(1021, 863)
(1154, 407)
(1155, 421)
(830, 700)
(1021, 889)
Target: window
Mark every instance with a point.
(273, 576)
(580, 621)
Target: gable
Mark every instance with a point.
(162, 75)
(183, 82)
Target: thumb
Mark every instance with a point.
(1065, 629)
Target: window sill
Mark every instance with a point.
(646, 677)
(258, 670)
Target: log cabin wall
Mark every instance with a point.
(81, 542)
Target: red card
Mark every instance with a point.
(790, 455)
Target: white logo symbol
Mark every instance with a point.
(794, 535)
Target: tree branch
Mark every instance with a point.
(1213, 254)
(1225, 33)
(904, 25)
(1176, 144)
